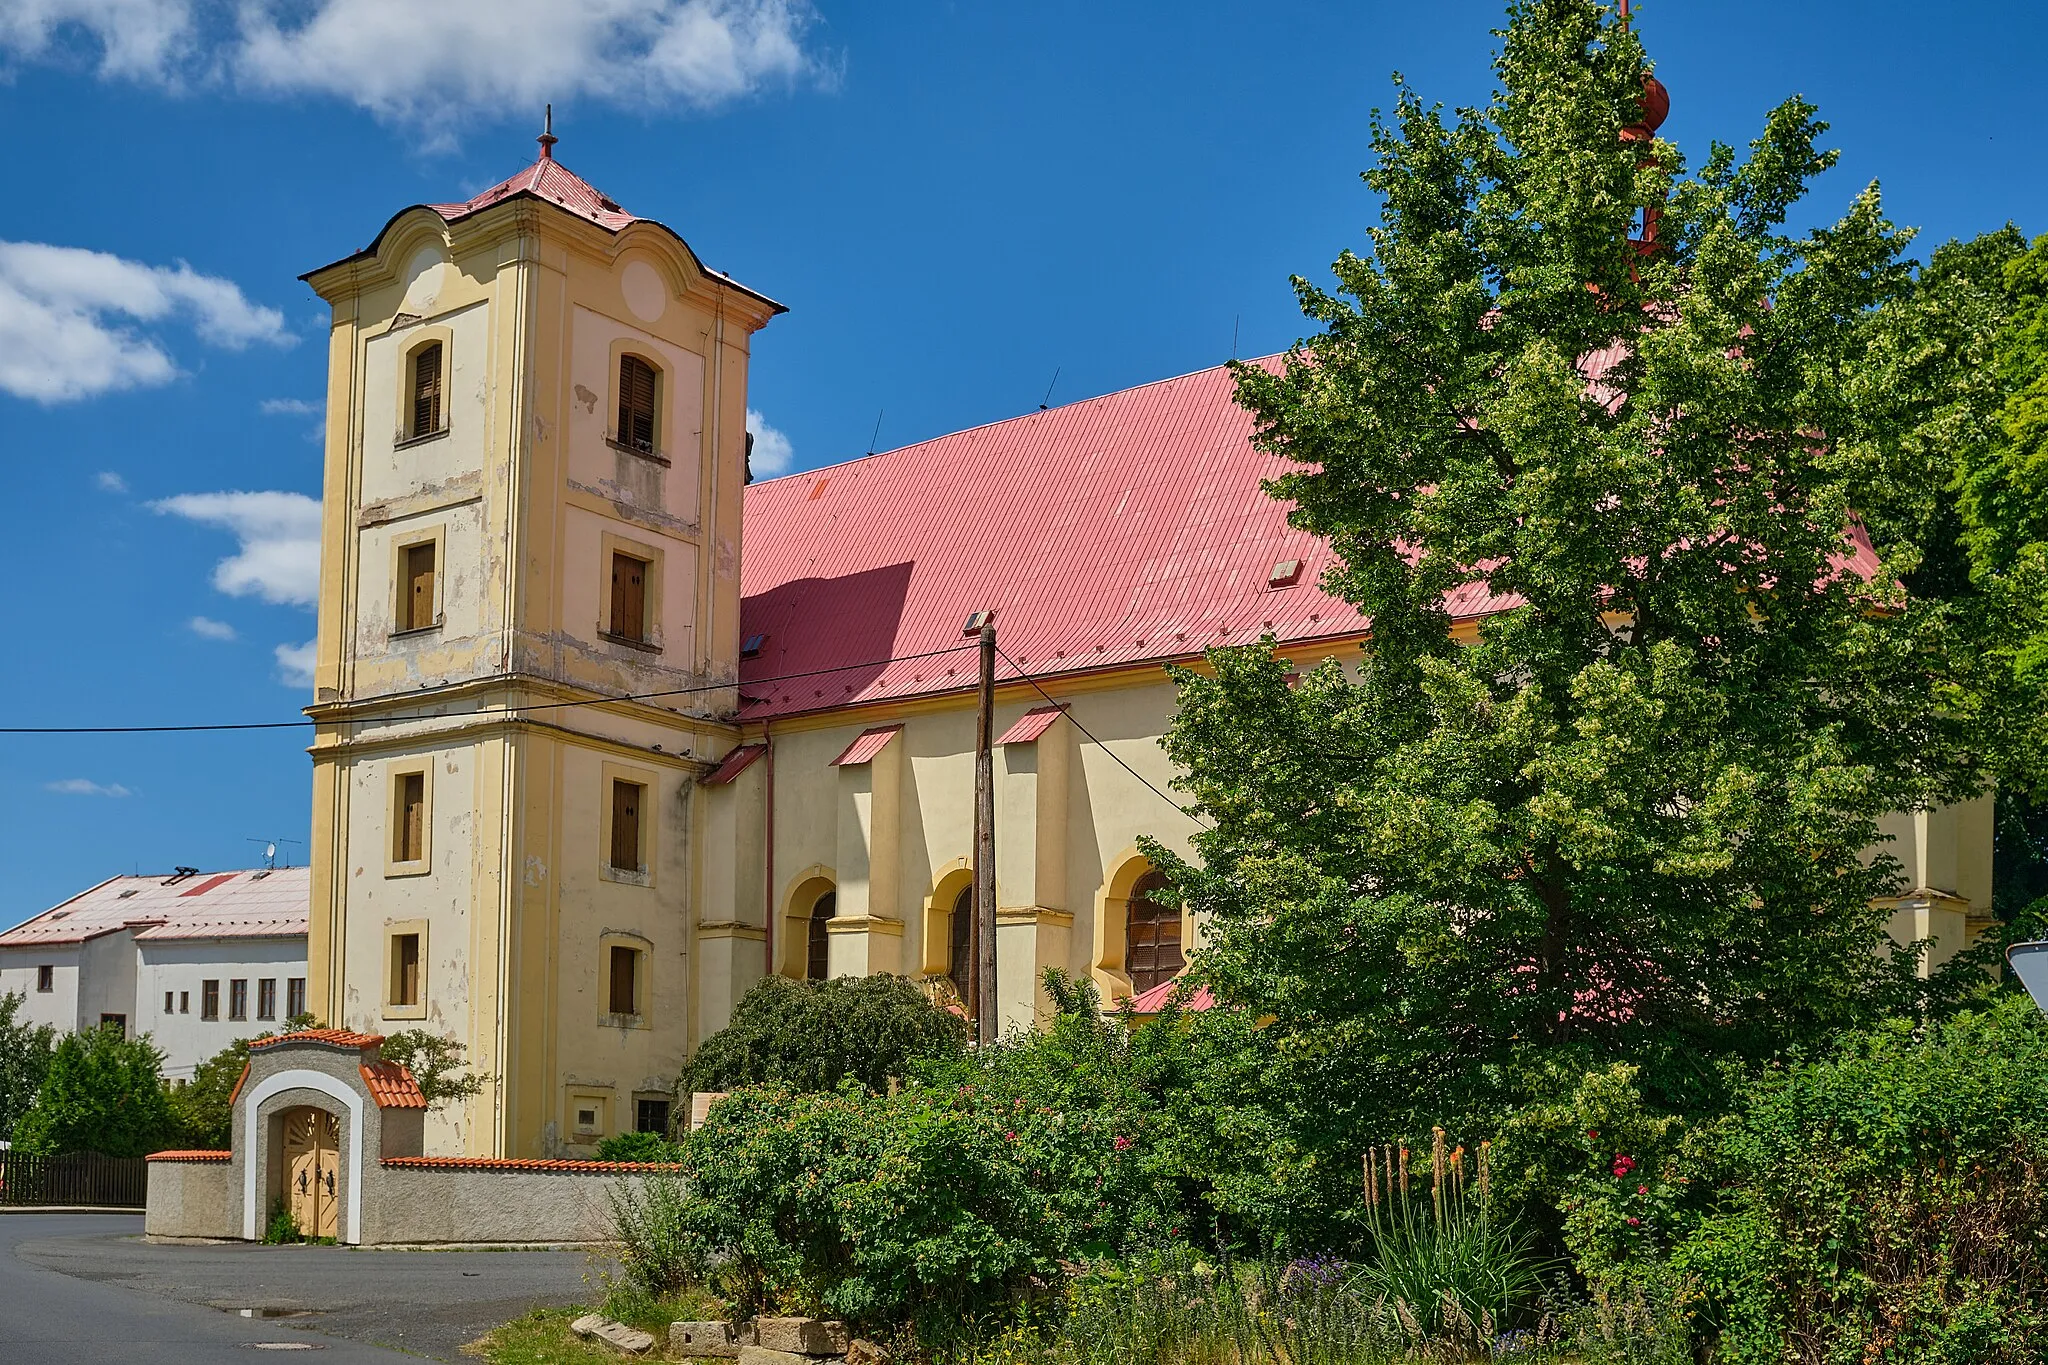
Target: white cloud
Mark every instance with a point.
(110, 482)
(403, 60)
(291, 407)
(85, 786)
(295, 664)
(772, 450)
(206, 628)
(67, 315)
(279, 558)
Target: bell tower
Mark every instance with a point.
(528, 645)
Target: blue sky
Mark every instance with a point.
(956, 200)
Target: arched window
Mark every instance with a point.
(1151, 934)
(637, 389)
(960, 946)
(818, 964)
(426, 390)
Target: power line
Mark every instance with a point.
(444, 715)
(1100, 745)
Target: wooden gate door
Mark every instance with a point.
(312, 1150)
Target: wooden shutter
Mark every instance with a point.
(629, 597)
(412, 813)
(426, 389)
(419, 586)
(636, 403)
(624, 964)
(405, 969)
(626, 825)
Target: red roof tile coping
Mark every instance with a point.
(332, 1037)
(392, 1086)
(240, 1081)
(190, 1156)
(503, 1163)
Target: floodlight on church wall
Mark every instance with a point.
(2029, 962)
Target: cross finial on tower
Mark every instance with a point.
(547, 137)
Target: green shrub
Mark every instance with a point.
(659, 1254)
(638, 1147)
(1884, 1202)
(812, 1035)
(24, 1058)
(102, 1093)
(283, 1225)
(201, 1107)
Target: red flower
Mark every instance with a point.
(1593, 1133)
(1009, 1137)
(1123, 1144)
(1623, 1164)
(1635, 1222)
(1642, 1189)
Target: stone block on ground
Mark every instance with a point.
(801, 1336)
(867, 1353)
(761, 1355)
(696, 1340)
(631, 1340)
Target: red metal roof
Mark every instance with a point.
(733, 764)
(865, 746)
(1120, 530)
(1154, 1000)
(331, 1037)
(1031, 725)
(392, 1086)
(1127, 529)
(550, 180)
(256, 903)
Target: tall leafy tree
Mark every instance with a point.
(1623, 819)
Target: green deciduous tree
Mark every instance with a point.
(24, 1058)
(1623, 821)
(103, 1093)
(437, 1063)
(811, 1035)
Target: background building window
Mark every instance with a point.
(416, 610)
(625, 980)
(651, 1116)
(405, 969)
(626, 801)
(818, 962)
(960, 947)
(46, 977)
(409, 821)
(266, 998)
(184, 1002)
(637, 389)
(1151, 935)
(295, 997)
(426, 390)
(169, 999)
(116, 1022)
(629, 598)
(209, 1000)
(238, 998)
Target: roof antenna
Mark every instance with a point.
(1235, 319)
(547, 137)
(1048, 388)
(270, 852)
(878, 430)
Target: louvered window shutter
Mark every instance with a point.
(626, 826)
(426, 390)
(636, 403)
(629, 597)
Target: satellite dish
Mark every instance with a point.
(2029, 962)
(270, 851)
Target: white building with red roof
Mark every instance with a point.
(605, 734)
(196, 960)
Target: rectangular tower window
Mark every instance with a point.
(295, 997)
(46, 977)
(209, 1000)
(426, 390)
(416, 610)
(184, 1002)
(238, 999)
(169, 998)
(625, 971)
(629, 597)
(266, 998)
(405, 969)
(409, 827)
(637, 389)
(626, 799)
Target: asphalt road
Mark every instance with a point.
(78, 1288)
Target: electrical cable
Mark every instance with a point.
(445, 715)
(1100, 745)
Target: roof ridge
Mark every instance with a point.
(1003, 421)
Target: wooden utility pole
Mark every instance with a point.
(985, 841)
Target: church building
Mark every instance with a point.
(605, 733)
